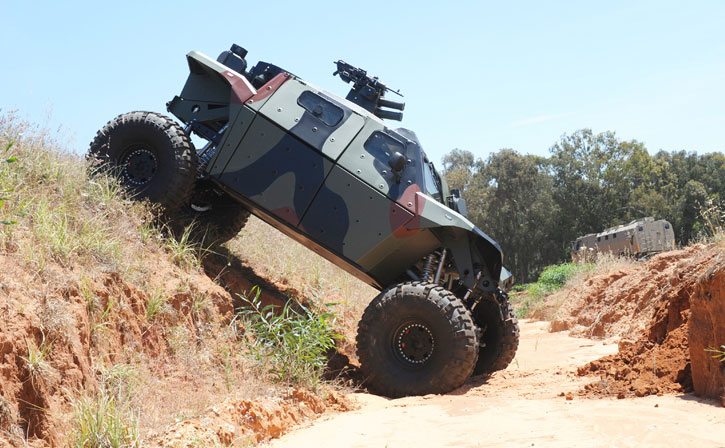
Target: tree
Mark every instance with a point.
(509, 197)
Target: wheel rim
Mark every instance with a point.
(139, 166)
(414, 344)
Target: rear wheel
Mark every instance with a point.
(210, 216)
(151, 156)
(416, 338)
(499, 337)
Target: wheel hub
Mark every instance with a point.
(414, 343)
(140, 166)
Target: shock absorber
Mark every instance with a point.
(439, 271)
(427, 270)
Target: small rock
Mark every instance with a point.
(656, 405)
(569, 396)
(620, 396)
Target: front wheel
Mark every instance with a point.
(151, 156)
(416, 338)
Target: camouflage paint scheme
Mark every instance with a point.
(315, 166)
(640, 237)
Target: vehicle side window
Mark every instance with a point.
(324, 110)
(382, 146)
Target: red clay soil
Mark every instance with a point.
(623, 303)
(707, 332)
(50, 315)
(54, 321)
(236, 422)
(649, 307)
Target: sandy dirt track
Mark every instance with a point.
(523, 406)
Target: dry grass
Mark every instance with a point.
(713, 218)
(68, 233)
(62, 217)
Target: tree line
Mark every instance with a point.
(535, 206)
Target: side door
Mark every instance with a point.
(363, 208)
(289, 148)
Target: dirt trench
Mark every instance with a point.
(73, 324)
(534, 402)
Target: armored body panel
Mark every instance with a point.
(639, 238)
(318, 168)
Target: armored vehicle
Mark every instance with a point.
(330, 173)
(640, 238)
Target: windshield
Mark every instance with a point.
(432, 182)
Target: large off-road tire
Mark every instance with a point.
(210, 216)
(151, 155)
(416, 338)
(499, 337)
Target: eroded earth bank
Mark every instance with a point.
(623, 363)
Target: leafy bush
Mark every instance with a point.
(290, 344)
(552, 279)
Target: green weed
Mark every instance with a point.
(227, 361)
(100, 322)
(103, 421)
(291, 345)
(718, 353)
(36, 363)
(155, 302)
(119, 381)
(186, 253)
(550, 280)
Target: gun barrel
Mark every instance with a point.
(382, 102)
(388, 114)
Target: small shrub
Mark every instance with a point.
(119, 381)
(185, 253)
(291, 345)
(155, 302)
(55, 319)
(550, 280)
(102, 421)
(35, 363)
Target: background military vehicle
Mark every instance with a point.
(329, 173)
(640, 238)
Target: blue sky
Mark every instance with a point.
(476, 75)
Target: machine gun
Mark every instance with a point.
(367, 92)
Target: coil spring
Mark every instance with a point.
(429, 263)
